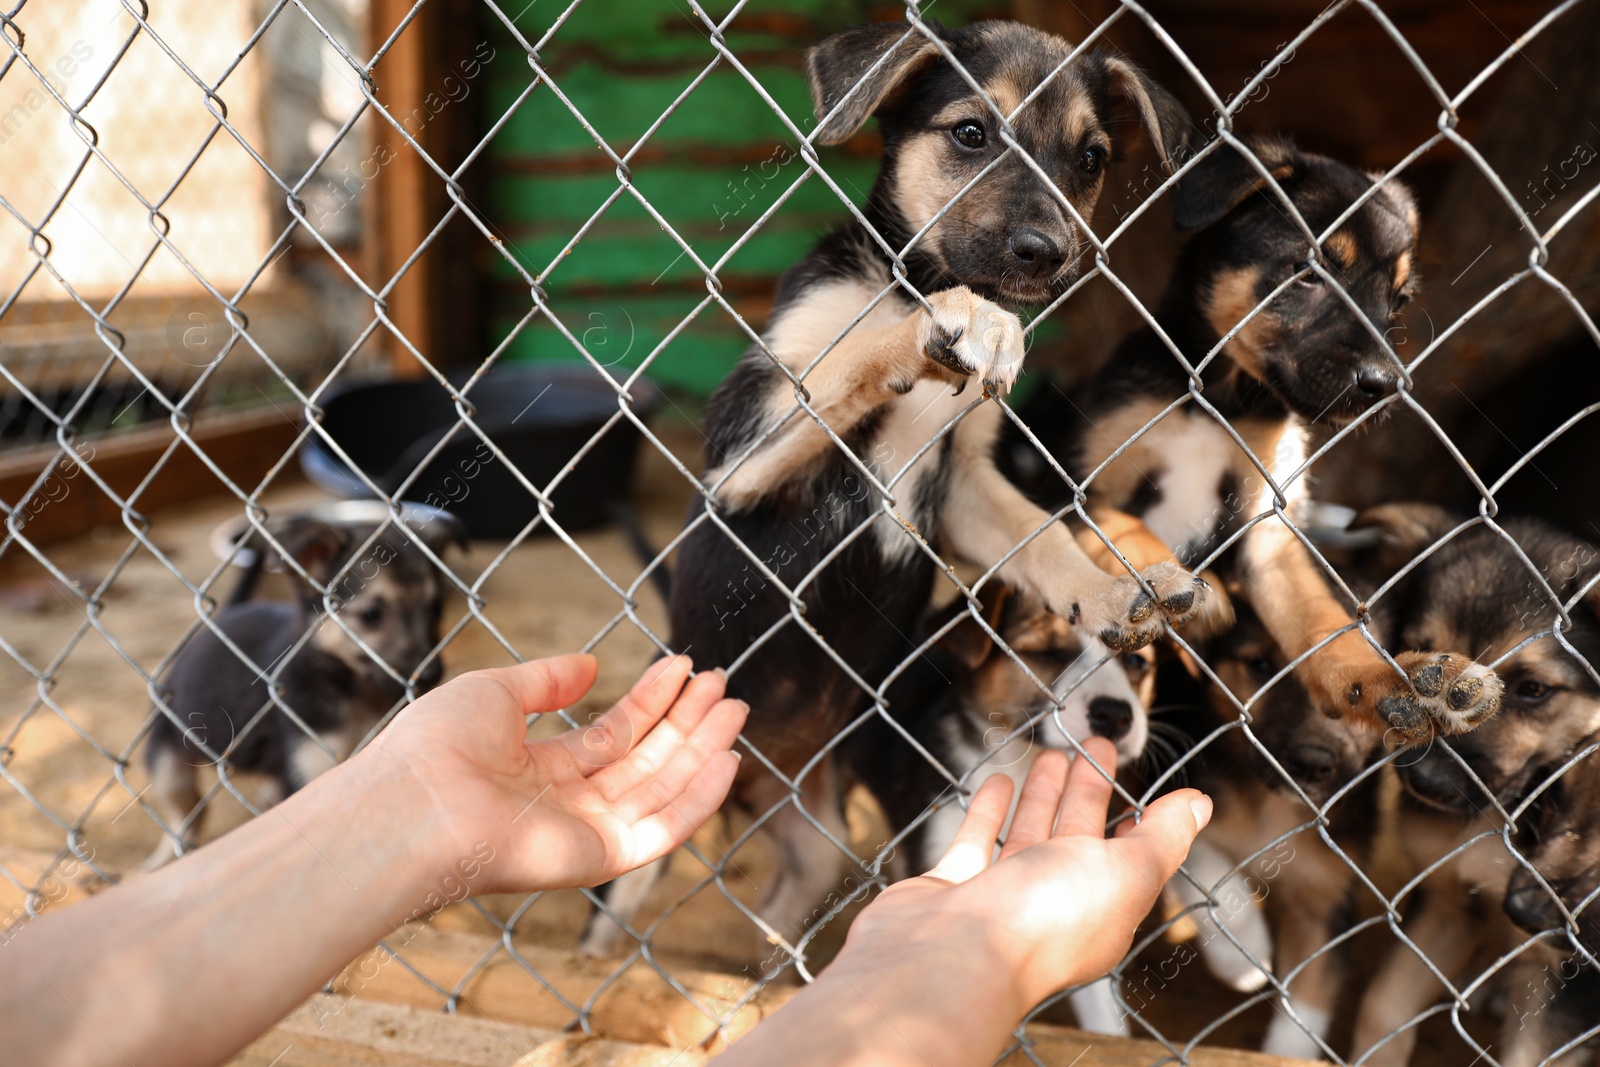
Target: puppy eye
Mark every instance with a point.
(1134, 665)
(1402, 298)
(372, 616)
(1092, 159)
(969, 134)
(1313, 280)
(1532, 691)
(1261, 667)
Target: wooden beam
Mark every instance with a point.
(434, 303)
(331, 1031)
(243, 444)
(642, 1009)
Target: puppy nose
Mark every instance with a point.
(1311, 763)
(1531, 907)
(1439, 779)
(1110, 718)
(1376, 381)
(1038, 252)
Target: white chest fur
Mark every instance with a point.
(908, 448)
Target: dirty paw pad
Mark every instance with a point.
(1179, 593)
(1454, 693)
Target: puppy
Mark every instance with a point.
(806, 564)
(1476, 593)
(1279, 353)
(1555, 980)
(1271, 787)
(300, 704)
(978, 712)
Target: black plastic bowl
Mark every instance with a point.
(540, 417)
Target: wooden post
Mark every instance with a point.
(419, 80)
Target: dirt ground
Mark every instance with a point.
(63, 741)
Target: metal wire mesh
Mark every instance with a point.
(37, 245)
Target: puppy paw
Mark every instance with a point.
(967, 335)
(1122, 616)
(1448, 694)
(1214, 615)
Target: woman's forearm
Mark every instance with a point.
(220, 945)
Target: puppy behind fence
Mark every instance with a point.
(797, 411)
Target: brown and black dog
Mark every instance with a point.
(1553, 1011)
(1280, 354)
(1554, 1004)
(791, 523)
(1476, 593)
(1268, 892)
(388, 594)
(986, 700)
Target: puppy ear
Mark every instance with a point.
(844, 66)
(1403, 530)
(1224, 179)
(1401, 199)
(968, 642)
(442, 531)
(312, 543)
(1139, 103)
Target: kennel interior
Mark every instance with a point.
(433, 196)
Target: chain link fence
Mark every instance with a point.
(249, 155)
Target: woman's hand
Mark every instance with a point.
(577, 809)
(1060, 905)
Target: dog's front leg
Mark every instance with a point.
(1143, 550)
(892, 349)
(985, 517)
(1440, 692)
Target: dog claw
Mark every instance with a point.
(968, 336)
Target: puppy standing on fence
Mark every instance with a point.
(221, 703)
(900, 382)
(1477, 592)
(1291, 356)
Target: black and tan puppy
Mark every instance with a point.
(887, 377)
(978, 712)
(223, 708)
(1555, 982)
(1476, 593)
(808, 563)
(1266, 889)
(1279, 352)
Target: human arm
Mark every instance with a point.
(938, 970)
(188, 964)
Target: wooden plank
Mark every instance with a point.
(642, 1008)
(1060, 1046)
(337, 1030)
(330, 1031)
(244, 444)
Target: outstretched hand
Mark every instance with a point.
(1060, 904)
(582, 807)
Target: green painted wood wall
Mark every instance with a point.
(711, 169)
